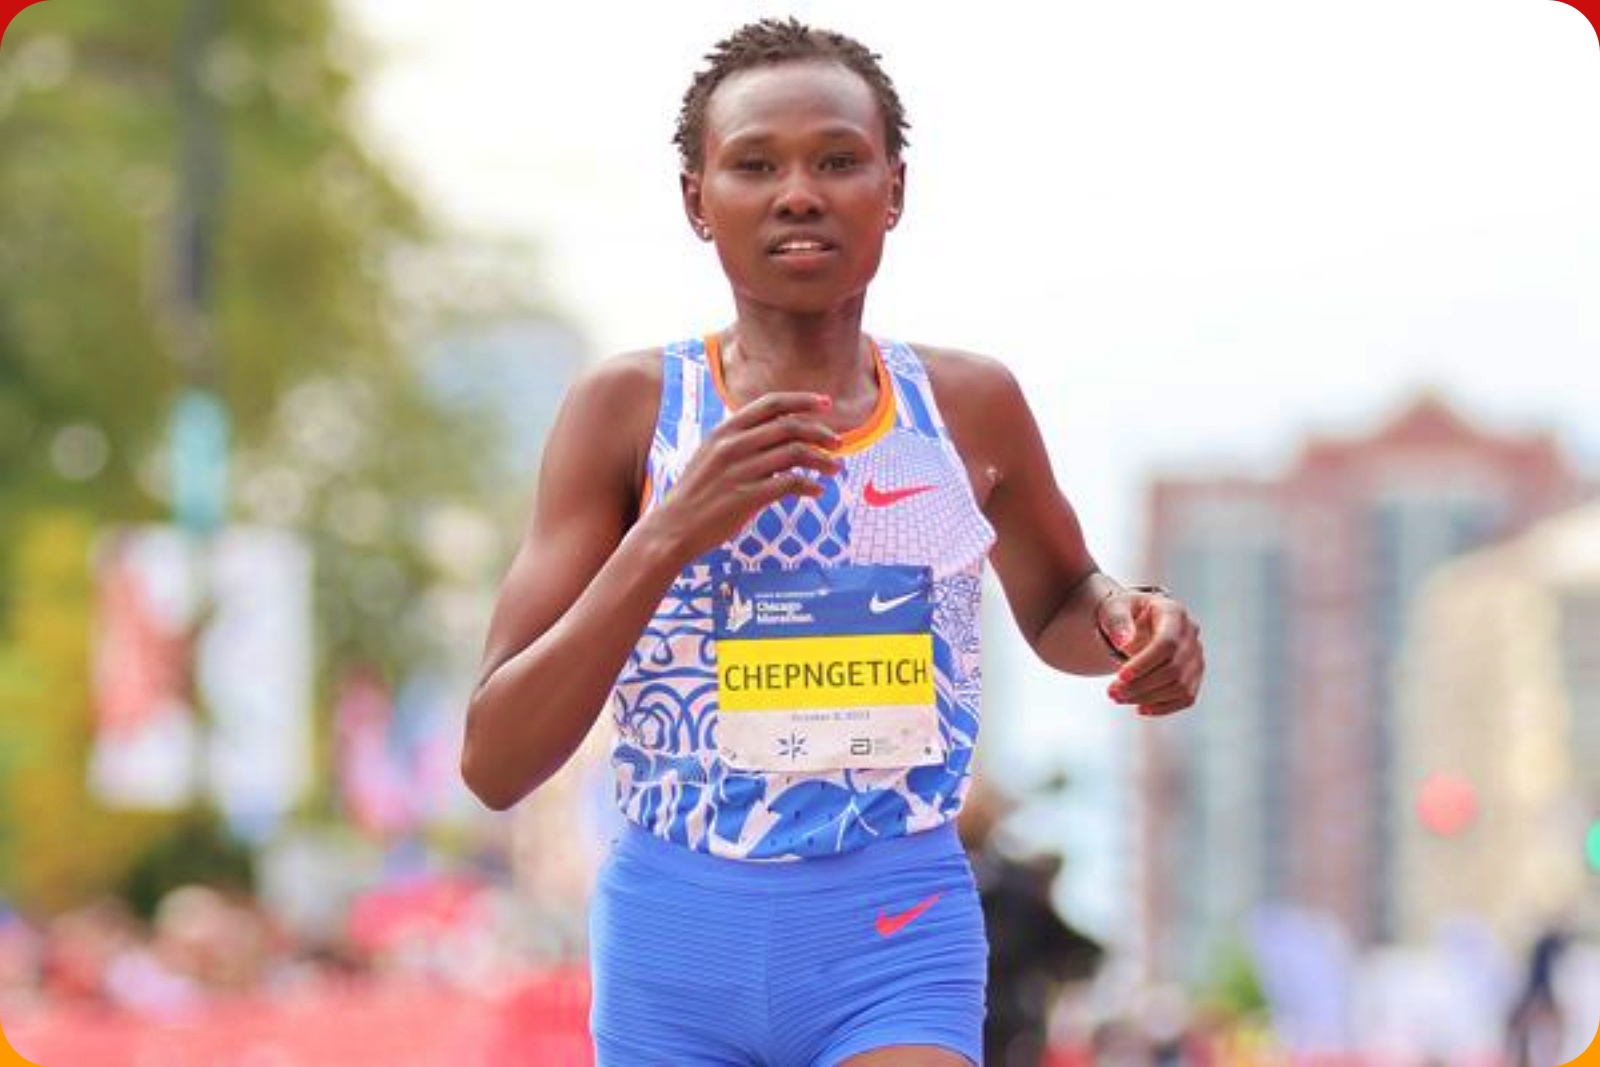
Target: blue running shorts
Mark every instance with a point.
(700, 960)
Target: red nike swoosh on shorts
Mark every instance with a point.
(889, 925)
(882, 498)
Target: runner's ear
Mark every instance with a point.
(897, 195)
(689, 186)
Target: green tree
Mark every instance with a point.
(1232, 986)
(308, 225)
(56, 847)
(335, 431)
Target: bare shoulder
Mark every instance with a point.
(977, 394)
(983, 410)
(629, 378)
(607, 419)
(957, 374)
(620, 392)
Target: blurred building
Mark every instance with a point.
(1282, 785)
(512, 369)
(1499, 697)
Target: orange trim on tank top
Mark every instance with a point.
(854, 440)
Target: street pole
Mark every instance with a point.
(200, 425)
(200, 421)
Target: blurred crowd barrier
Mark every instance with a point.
(541, 1019)
(213, 981)
(424, 972)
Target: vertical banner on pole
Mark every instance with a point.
(254, 673)
(226, 625)
(144, 751)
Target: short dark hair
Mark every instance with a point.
(773, 41)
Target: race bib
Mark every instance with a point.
(826, 669)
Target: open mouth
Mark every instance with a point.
(799, 246)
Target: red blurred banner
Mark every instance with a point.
(543, 1020)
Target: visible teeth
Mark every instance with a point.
(800, 246)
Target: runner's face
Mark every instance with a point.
(797, 188)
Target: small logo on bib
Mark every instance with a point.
(793, 746)
(740, 612)
(878, 606)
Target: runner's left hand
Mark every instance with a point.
(1165, 659)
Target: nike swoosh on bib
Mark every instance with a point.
(882, 498)
(889, 925)
(878, 607)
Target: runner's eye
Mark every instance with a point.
(752, 165)
(839, 161)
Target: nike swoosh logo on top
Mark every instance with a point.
(889, 925)
(878, 607)
(882, 498)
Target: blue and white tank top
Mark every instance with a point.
(901, 498)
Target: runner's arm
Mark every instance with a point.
(580, 590)
(1050, 578)
(1057, 593)
(588, 577)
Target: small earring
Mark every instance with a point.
(704, 231)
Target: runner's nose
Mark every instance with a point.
(798, 199)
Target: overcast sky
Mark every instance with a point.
(1197, 232)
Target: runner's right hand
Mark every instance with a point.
(759, 454)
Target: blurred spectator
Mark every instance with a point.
(1032, 952)
(1534, 1032)
(220, 944)
(80, 947)
(1119, 1043)
(21, 955)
